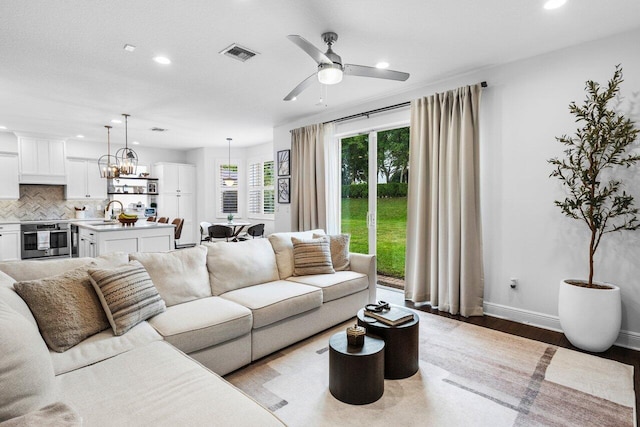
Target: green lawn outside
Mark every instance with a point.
(391, 236)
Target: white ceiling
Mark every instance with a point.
(63, 70)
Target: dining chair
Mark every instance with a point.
(204, 231)
(151, 219)
(163, 220)
(179, 223)
(254, 231)
(220, 232)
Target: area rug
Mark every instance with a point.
(468, 376)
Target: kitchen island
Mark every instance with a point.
(98, 238)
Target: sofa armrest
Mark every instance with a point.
(365, 264)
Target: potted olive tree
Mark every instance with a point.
(590, 311)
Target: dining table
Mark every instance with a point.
(237, 227)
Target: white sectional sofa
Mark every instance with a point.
(227, 304)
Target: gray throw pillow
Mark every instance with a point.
(26, 371)
(127, 294)
(311, 256)
(65, 306)
(339, 246)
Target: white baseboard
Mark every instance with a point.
(626, 339)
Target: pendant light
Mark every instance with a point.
(229, 181)
(127, 158)
(108, 164)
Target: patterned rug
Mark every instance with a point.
(468, 376)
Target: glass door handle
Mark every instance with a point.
(371, 219)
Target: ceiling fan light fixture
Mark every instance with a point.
(329, 74)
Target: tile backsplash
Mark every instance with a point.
(44, 202)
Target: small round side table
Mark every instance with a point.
(401, 344)
(356, 374)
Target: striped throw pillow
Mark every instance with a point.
(311, 256)
(127, 295)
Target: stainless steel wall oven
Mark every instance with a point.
(45, 239)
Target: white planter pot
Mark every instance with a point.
(590, 318)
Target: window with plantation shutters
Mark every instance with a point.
(228, 194)
(261, 197)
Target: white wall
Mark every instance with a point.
(525, 236)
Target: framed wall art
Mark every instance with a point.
(284, 163)
(284, 190)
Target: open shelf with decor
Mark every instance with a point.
(132, 185)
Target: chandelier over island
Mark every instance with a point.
(127, 157)
(108, 164)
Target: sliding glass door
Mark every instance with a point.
(374, 197)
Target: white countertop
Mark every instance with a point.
(141, 224)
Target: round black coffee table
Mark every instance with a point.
(356, 374)
(401, 344)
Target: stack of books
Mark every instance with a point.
(392, 317)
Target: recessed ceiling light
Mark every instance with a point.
(135, 142)
(3, 127)
(382, 65)
(129, 47)
(554, 4)
(79, 136)
(116, 121)
(162, 60)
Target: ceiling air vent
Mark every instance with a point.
(238, 52)
(157, 129)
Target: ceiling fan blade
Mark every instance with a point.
(362, 71)
(311, 50)
(302, 86)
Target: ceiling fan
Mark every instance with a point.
(331, 68)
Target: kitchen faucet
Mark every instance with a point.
(106, 210)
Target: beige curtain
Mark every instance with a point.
(308, 195)
(444, 246)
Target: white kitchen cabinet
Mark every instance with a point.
(9, 242)
(42, 161)
(10, 189)
(176, 198)
(84, 180)
(87, 246)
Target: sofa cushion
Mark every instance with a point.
(26, 373)
(335, 286)
(235, 265)
(283, 248)
(65, 306)
(179, 276)
(101, 346)
(13, 300)
(158, 385)
(57, 414)
(127, 294)
(339, 245)
(274, 301)
(37, 269)
(311, 256)
(203, 323)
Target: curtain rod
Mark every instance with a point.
(378, 110)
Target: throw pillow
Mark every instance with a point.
(339, 246)
(65, 306)
(127, 294)
(179, 276)
(58, 414)
(311, 256)
(26, 371)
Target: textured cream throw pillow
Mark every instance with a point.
(127, 294)
(339, 246)
(65, 306)
(311, 256)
